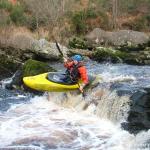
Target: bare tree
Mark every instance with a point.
(50, 12)
(114, 13)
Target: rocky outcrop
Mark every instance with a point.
(127, 39)
(23, 47)
(139, 114)
(30, 68)
(102, 54)
(15, 50)
(47, 50)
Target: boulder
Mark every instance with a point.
(126, 39)
(48, 50)
(30, 68)
(102, 54)
(96, 38)
(81, 52)
(139, 114)
(16, 49)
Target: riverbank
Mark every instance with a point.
(124, 46)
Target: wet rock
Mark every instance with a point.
(139, 113)
(102, 54)
(17, 48)
(33, 67)
(30, 68)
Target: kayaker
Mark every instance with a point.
(76, 70)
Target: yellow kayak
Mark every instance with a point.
(49, 82)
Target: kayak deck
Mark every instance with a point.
(41, 83)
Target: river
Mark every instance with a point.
(29, 122)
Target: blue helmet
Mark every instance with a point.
(77, 57)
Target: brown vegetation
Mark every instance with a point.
(65, 18)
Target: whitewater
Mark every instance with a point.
(29, 122)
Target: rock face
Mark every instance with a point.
(102, 54)
(18, 48)
(122, 38)
(139, 114)
(47, 50)
(23, 47)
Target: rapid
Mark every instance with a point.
(50, 122)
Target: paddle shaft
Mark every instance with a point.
(59, 49)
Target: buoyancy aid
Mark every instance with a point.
(73, 72)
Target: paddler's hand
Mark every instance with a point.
(65, 59)
(81, 88)
(82, 91)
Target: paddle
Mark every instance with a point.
(58, 47)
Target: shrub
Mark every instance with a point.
(4, 4)
(4, 18)
(142, 23)
(77, 43)
(78, 20)
(104, 54)
(32, 23)
(17, 15)
(85, 20)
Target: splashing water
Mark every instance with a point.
(41, 124)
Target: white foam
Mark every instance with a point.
(41, 120)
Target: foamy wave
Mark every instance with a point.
(120, 78)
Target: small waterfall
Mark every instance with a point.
(112, 106)
(104, 103)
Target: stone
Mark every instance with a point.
(121, 39)
(138, 118)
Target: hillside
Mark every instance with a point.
(66, 18)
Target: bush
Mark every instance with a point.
(77, 43)
(79, 23)
(32, 23)
(17, 15)
(142, 23)
(105, 54)
(4, 18)
(83, 21)
(4, 4)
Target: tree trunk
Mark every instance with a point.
(114, 13)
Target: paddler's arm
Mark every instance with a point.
(84, 78)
